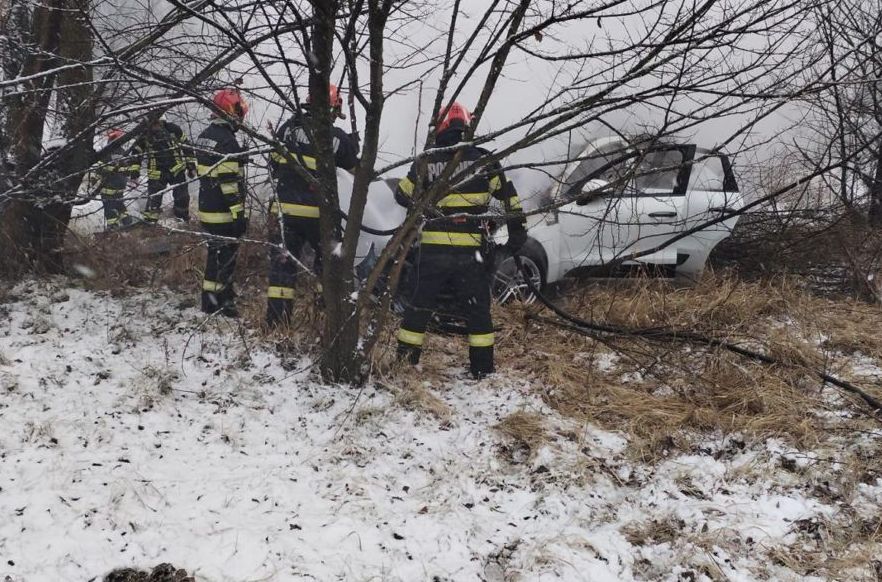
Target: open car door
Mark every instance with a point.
(618, 201)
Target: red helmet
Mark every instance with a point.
(114, 133)
(456, 116)
(231, 102)
(334, 97)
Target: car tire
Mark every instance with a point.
(507, 282)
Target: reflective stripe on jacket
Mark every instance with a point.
(476, 185)
(220, 165)
(295, 196)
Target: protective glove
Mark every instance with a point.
(240, 222)
(517, 237)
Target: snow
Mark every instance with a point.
(136, 431)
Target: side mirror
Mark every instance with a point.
(592, 190)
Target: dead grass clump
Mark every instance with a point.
(663, 530)
(721, 396)
(139, 257)
(414, 394)
(841, 550)
(852, 327)
(526, 429)
(153, 256)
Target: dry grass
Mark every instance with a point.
(655, 531)
(525, 429)
(152, 258)
(838, 551)
(415, 395)
(668, 395)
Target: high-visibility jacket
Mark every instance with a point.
(221, 166)
(469, 197)
(295, 196)
(166, 148)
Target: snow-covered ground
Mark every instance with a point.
(134, 431)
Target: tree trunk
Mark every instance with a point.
(341, 360)
(34, 219)
(875, 212)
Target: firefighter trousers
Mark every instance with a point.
(217, 284)
(114, 207)
(296, 232)
(180, 193)
(460, 270)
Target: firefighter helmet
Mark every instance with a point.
(334, 97)
(454, 117)
(231, 102)
(114, 134)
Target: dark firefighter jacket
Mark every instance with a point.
(295, 196)
(220, 164)
(110, 174)
(166, 148)
(471, 197)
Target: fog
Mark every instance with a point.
(413, 49)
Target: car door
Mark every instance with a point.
(630, 202)
(655, 203)
(590, 208)
(713, 190)
(713, 194)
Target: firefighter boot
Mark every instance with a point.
(222, 301)
(278, 311)
(409, 353)
(481, 361)
(182, 214)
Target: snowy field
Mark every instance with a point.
(134, 432)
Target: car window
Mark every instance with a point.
(658, 171)
(606, 163)
(707, 175)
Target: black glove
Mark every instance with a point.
(517, 237)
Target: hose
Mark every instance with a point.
(369, 229)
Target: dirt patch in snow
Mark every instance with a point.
(161, 573)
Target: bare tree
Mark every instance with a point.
(662, 69)
(845, 117)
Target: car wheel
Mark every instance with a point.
(508, 282)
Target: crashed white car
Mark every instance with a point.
(666, 206)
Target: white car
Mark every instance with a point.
(619, 205)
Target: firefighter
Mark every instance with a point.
(170, 162)
(450, 252)
(220, 165)
(109, 178)
(297, 203)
